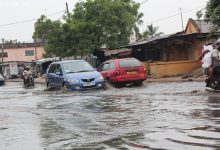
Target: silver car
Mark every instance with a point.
(2, 80)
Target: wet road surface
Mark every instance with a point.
(165, 116)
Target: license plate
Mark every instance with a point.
(132, 72)
(88, 84)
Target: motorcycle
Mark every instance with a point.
(214, 81)
(28, 81)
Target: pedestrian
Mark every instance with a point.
(206, 57)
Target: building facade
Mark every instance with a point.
(19, 55)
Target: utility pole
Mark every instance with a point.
(181, 18)
(35, 49)
(67, 11)
(2, 55)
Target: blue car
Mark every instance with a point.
(2, 80)
(73, 75)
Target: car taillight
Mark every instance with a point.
(117, 73)
(144, 68)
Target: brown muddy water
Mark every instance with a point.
(165, 116)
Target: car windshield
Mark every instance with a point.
(77, 66)
(129, 63)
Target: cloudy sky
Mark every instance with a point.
(18, 16)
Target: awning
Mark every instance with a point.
(41, 61)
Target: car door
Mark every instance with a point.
(103, 69)
(58, 77)
(112, 68)
(51, 75)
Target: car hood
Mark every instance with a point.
(82, 75)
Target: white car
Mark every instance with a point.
(2, 80)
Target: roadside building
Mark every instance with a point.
(18, 55)
(175, 54)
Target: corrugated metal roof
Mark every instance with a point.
(205, 27)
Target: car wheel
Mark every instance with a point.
(48, 86)
(119, 85)
(138, 83)
(64, 88)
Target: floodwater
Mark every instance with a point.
(165, 116)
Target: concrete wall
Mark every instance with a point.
(172, 68)
(18, 54)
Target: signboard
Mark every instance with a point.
(13, 69)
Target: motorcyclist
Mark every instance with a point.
(27, 73)
(216, 54)
(215, 62)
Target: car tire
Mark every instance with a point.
(64, 88)
(119, 85)
(48, 86)
(138, 83)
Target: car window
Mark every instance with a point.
(112, 65)
(52, 68)
(129, 63)
(58, 69)
(77, 66)
(100, 68)
(106, 67)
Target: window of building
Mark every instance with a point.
(4, 54)
(29, 53)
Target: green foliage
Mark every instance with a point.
(212, 13)
(91, 25)
(151, 32)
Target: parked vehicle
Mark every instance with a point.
(73, 75)
(2, 80)
(123, 71)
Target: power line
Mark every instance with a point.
(144, 2)
(30, 20)
(165, 18)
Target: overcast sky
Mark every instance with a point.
(162, 13)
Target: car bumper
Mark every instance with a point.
(83, 86)
(129, 78)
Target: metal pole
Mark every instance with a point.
(2, 56)
(181, 18)
(67, 11)
(35, 50)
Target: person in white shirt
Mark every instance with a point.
(215, 55)
(206, 57)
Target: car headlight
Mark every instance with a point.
(100, 78)
(73, 80)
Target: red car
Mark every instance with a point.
(123, 71)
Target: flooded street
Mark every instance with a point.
(170, 116)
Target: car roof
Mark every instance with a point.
(118, 59)
(66, 61)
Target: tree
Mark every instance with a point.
(212, 13)
(50, 32)
(91, 25)
(151, 32)
(108, 23)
